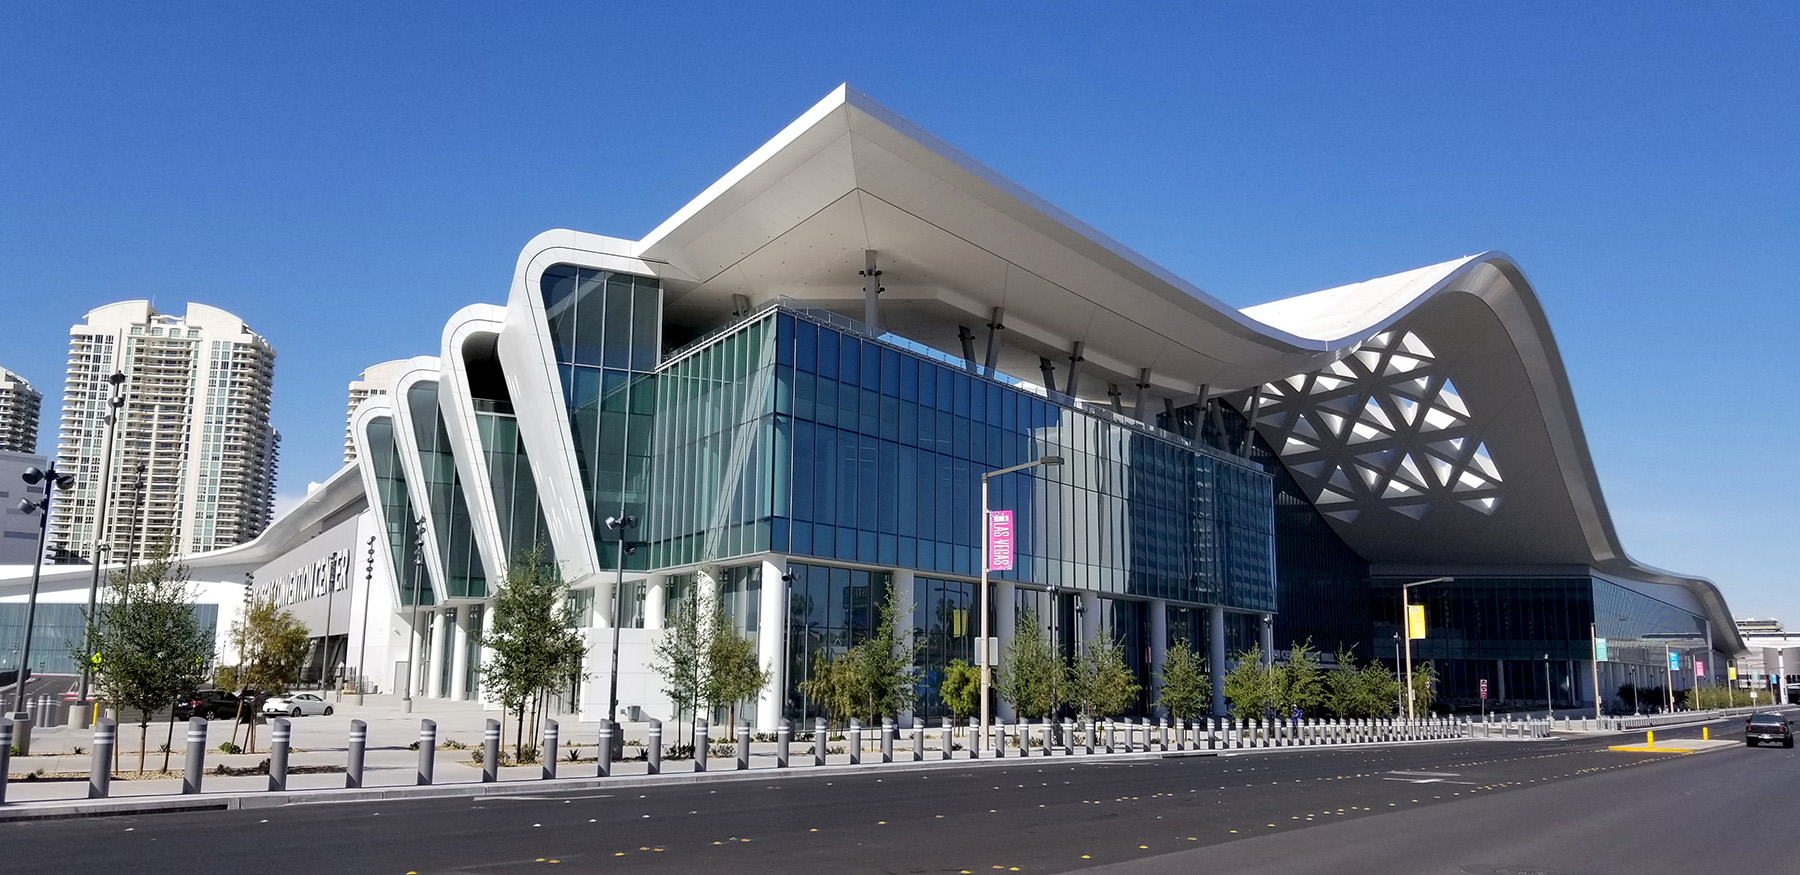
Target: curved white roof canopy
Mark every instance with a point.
(955, 240)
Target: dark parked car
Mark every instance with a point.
(208, 705)
(1774, 728)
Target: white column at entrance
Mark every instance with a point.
(487, 629)
(1215, 657)
(771, 638)
(601, 616)
(459, 656)
(1159, 643)
(903, 615)
(1006, 612)
(656, 601)
(706, 585)
(434, 679)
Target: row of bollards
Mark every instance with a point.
(1044, 738)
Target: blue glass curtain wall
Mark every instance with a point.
(605, 331)
(1502, 630)
(829, 610)
(395, 505)
(57, 631)
(462, 572)
(878, 456)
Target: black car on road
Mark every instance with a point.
(208, 705)
(1772, 728)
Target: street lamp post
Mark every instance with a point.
(618, 524)
(987, 668)
(111, 418)
(412, 636)
(52, 480)
(362, 653)
(325, 670)
(1406, 633)
(1549, 706)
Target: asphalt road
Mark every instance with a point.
(1469, 807)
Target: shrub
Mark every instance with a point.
(228, 747)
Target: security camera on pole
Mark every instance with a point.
(111, 418)
(52, 481)
(618, 524)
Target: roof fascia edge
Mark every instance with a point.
(817, 114)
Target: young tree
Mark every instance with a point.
(272, 646)
(679, 658)
(1424, 682)
(833, 686)
(1028, 671)
(1297, 684)
(960, 689)
(874, 678)
(733, 671)
(151, 644)
(1358, 692)
(534, 648)
(886, 665)
(1186, 690)
(1101, 681)
(1249, 686)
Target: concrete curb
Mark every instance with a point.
(123, 806)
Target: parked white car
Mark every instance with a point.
(295, 705)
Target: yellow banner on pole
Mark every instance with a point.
(1415, 621)
(1731, 672)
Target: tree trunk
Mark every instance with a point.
(519, 739)
(143, 739)
(169, 746)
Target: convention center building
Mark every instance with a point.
(784, 400)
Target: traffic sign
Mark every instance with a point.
(95, 660)
(1484, 688)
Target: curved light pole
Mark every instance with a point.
(52, 480)
(111, 418)
(987, 668)
(1406, 633)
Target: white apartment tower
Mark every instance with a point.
(19, 406)
(373, 381)
(194, 459)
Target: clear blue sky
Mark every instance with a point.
(345, 177)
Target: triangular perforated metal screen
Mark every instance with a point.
(1383, 428)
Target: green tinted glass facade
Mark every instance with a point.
(604, 331)
(397, 512)
(514, 488)
(459, 557)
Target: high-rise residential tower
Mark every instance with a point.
(371, 382)
(19, 405)
(194, 459)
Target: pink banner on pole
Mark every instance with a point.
(1000, 540)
